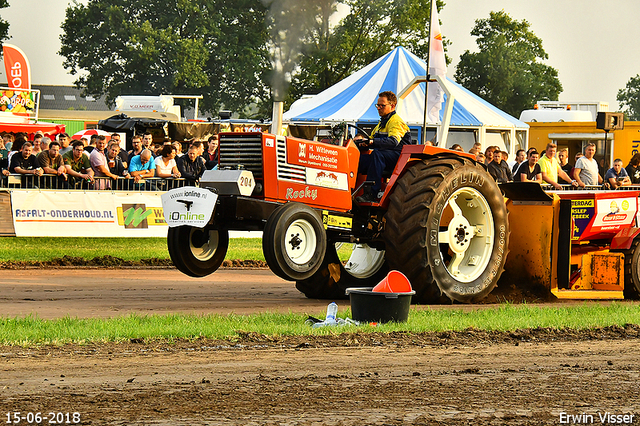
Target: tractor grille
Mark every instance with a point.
(288, 171)
(242, 149)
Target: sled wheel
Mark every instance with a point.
(365, 268)
(197, 252)
(447, 230)
(631, 270)
(294, 241)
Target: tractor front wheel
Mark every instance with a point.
(294, 241)
(197, 252)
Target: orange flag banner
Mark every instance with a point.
(17, 67)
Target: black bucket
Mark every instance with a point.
(371, 306)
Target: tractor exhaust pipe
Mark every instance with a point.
(276, 120)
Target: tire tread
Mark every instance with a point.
(406, 224)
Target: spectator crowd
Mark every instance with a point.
(100, 163)
(552, 167)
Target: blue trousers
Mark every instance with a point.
(375, 163)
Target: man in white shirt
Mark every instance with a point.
(586, 168)
(100, 165)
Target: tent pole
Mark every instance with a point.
(448, 110)
(426, 84)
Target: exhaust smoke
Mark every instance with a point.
(292, 23)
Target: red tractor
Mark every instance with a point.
(442, 219)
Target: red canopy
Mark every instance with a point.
(32, 128)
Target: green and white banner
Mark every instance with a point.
(87, 214)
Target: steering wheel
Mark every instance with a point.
(337, 131)
(360, 130)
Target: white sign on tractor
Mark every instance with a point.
(188, 206)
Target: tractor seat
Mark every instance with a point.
(388, 171)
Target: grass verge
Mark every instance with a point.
(31, 330)
(43, 249)
(33, 249)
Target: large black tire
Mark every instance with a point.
(447, 230)
(631, 270)
(269, 229)
(197, 252)
(333, 278)
(294, 241)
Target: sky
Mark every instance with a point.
(592, 43)
(34, 26)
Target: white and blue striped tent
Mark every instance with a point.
(353, 100)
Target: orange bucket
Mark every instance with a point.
(394, 282)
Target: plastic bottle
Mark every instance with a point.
(332, 311)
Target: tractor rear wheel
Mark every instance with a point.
(365, 268)
(197, 252)
(632, 270)
(447, 230)
(294, 241)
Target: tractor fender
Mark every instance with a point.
(414, 153)
(624, 238)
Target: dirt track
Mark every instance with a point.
(55, 293)
(525, 378)
(100, 292)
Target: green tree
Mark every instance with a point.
(506, 71)
(370, 29)
(152, 47)
(629, 99)
(4, 25)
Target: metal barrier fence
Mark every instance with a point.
(547, 187)
(47, 181)
(19, 181)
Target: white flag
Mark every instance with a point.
(437, 66)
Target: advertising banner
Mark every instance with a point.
(17, 67)
(605, 213)
(612, 214)
(87, 214)
(18, 103)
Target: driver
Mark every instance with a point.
(389, 136)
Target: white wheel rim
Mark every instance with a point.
(208, 249)
(469, 235)
(364, 261)
(300, 242)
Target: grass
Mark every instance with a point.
(47, 248)
(32, 249)
(245, 249)
(31, 330)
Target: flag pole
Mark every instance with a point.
(426, 84)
